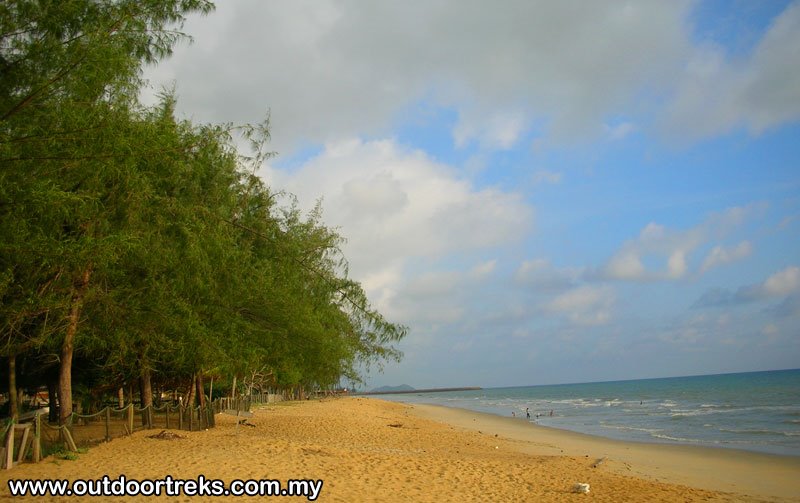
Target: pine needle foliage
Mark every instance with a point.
(140, 248)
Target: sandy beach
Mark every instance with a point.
(365, 449)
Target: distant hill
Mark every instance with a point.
(384, 389)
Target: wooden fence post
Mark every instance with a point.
(9, 461)
(37, 438)
(108, 423)
(23, 445)
(69, 440)
(130, 419)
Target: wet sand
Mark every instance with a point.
(366, 449)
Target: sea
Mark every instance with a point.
(754, 411)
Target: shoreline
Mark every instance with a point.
(368, 449)
(713, 468)
(698, 445)
(611, 430)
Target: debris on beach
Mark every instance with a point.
(166, 435)
(581, 487)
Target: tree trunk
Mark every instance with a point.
(147, 388)
(201, 395)
(13, 398)
(233, 387)
(190, 394)
(121, 397)
(68, 348)
(146, 393)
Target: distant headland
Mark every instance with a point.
(405, 388)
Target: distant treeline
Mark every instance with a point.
(138, 251)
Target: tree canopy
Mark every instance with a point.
(142, 245)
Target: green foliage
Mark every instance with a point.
(58, 451)
(192, 263)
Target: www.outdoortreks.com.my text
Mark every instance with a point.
(167, 486)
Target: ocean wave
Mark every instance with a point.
(630, 428)
(679, 413)
(722, 406)
(679, 439)
(581, 402)
(747, 431)
(697, 412)
(709, 441)
(705, 409)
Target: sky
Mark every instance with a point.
(542, 191)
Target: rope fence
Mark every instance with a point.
(38, 439)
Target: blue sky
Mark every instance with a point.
(543, 192)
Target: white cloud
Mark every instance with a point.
(334, 69)
(585, 305)
(377, 196)
(779, 284)
(394, 205)
(673, 248)
(442, 296)
(654, 241)
(626, 265)
(759, 92)
(784, 283)
(676, 265)
(720, 255)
